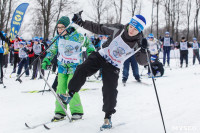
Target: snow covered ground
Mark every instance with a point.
(137, 107)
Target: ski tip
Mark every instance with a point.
(27, 125)
(46, 127)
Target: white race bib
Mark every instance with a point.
(37, 49)
(69, 51)
(195, 46)
(117, 52)
(167, 41)
(183, 46)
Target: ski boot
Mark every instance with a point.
(76, 116)
(138, 80)
(107, 124)
(58, 117)
(158, 74)
(124, 82)
(66, 98)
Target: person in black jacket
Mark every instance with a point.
(183, 46)
(121, 44)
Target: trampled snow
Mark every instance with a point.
(137, 106)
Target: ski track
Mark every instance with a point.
(137, 106)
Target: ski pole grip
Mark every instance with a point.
(80, 12)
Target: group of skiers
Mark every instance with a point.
(117, 47)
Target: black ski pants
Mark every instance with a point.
(16, 61)
(185, 57)
(110, 76)
(1, 66)
(196, 55)
(35, 65)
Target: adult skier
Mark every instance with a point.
(68, 46)
(167, 43)
(123, 41)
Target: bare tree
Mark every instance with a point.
(120, 11)
(9, 14)
(196, 23)
(3, 4)
(173, 16)
(101, 7)
(152, 15)
(50, 11)
(133, 6)
(140, 7)
(188, 17)
(167, 4)
(178, 18)
(157, 12)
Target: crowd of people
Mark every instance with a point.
(77, 56)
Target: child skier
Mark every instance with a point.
(38, 48)
(195, 46)
(183, 46)
(156, 67)
(123, 41)
(68, 46)
(153, 45)
(23, 58)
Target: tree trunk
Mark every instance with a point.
(120, 11)
(152, 17)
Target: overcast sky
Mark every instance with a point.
(85, 5)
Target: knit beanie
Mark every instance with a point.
(64, 20)
(139, 22)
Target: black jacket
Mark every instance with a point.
(113, 30)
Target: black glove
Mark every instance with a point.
(144, 45)
(77, 19)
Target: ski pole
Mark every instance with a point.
(54, 93)
(16, 67)
(148, 59)
(46, 83)
(1, 69)
(18, 78)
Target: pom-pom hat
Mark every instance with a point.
(139, 22)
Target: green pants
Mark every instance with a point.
(75, 103)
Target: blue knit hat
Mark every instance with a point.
(194, 39)
(153, 57)
(139, 22)
(22, 43)
(151, 35)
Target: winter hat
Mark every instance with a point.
(41, 38)
(153, 57)
(151, 35)
(64, 20)
(36, 39)
(182, 38)
(194, 39)
(22, 43)
(139, 22)
(166, 33)
(4, 34)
